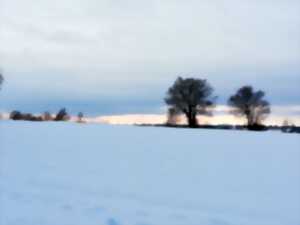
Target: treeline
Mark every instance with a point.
(192, 97)
(62, 115)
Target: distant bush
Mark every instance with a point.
(173, 116)
(80, 117)
(15, 115)
(288, 127)
(62, 115)
(27, 116)
(31, 117)
(47, 116)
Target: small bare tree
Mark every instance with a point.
(191, 97)
(251, 104)
(80, 117)
(173, 116)
(47, 116)
(62, 115)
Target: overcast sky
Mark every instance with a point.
(121, 50)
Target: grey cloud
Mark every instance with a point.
(55, 35)
(136, 42)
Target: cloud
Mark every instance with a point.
(128, 43)
(209, 33)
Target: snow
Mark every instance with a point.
(221, 115)
(131, 119)
(56, 173)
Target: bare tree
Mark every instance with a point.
(251, 104)
(80, 117)
(173, 116)
(191, 97)
(47, 116)
(62, 115)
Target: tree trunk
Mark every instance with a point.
(250, 120)
(249, 117)
(192, 119)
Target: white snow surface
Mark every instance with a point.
(56, 173)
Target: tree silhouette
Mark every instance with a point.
(173, 116)
(62, 115)
(249, 103)
(80, 117)
(190, 96)
(15, 115)
(47, 116)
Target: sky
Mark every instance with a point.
(120, 56)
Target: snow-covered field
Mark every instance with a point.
(92, 174)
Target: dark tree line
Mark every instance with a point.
(192, 97)
(62, 115)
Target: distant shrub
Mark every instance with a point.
(80, 117)
(47, 116)
(288, 127)
(62, 115)
(34, 118)
(173, 116)
(27, 116)
(15, 115)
